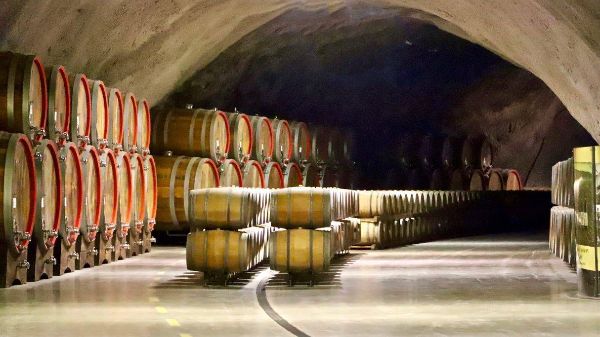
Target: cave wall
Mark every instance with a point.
(153, 47)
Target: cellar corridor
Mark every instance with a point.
(508, 284)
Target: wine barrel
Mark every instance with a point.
(217, 252)
(370, 203)
(430, 152)
(407, 150)
(321, 146)
(253, 175)
(336, 145)
(144, 127)
(24, 104)
(151, 192)
(263, 142)
(100, 119)
(458, 181)
(440, 179)
(477, 153)
(328, 177)
(452, 152)
(230, 208)
(311, 176)
(194, 132)
(231, 174)
(115, 120)
(302, 141)
(347, 147)
(504, 180)
(19, 192)
(345, 178)
(176, 176)
(283, 142)
(59, 104)
(562, 191)
(418, 179)
(109, 176)
(92, 197)
(301, 207)
(72, 179)
(292, 175)
(81, 110)
(477, 181)
(300, 250)
(130, 123)
(240, 128)
(273, 175)
(139, 196)
(49, 194)
(125, 181)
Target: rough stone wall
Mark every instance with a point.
(152, 47)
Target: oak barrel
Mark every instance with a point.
(301, 141)
(49, 194)
(230, 208)
(231, 174)
(292, 175)
(407, 150)
(99, 116)
(430, 152)
(273, 175)
(240, 128)
(300, 250)
(321, 147)
(109, 175)
(59, 104)
(504, 180)
(452, 152)
(477, 153)
(144, 126)
(311, 175)
(116, 113)
(176, 176)
(92, 197)
(81, 110)
(301, 207)
(125, 181)
(138, 194)
(253, 175)
(283, 141)
(24, 96)
(72, 203)
(477, 181)
(328, 177)
(130, 123)
(194, 132)
(151, 192)
(217, 251)
(263, 143)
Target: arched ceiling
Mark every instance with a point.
(151, 48)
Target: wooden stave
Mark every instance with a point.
(70, 150)
(59, 134)
(478, 181)
(77, 134)
(115, 129)
(217, 252)
(284, 260)
(90, 217)
(275, 169)
(99, 115)
(15, 76)
(225, 208)
(46, 237)
(301, 142)
(235, 151)
(282, 153)
(139, 195)
(226, 166)
(259, 146)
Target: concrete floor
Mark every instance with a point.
(485, 286)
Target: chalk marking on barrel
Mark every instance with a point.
(161, 310)
(172, 322)
(261, 296)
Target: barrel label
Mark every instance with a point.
(586, 259)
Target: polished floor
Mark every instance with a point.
(485, 286)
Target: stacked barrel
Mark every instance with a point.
(562, 216)
(202, 148)
(394, 218)
(457, 163)
(61, 136)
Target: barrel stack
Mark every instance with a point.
(562, 216)
(63, 135)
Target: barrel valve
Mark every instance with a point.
(74, 255)
(152, 240)
(51, 260)
(140, 243)
(94, 252)
(22, 236)
(23, 264)
(125, 246)
(110, 248)
(92, 228)
(83, 139)
(102, 142)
